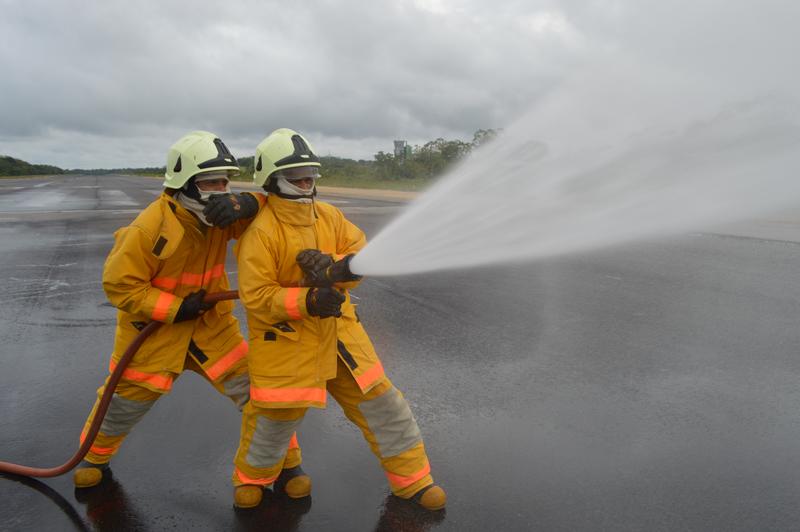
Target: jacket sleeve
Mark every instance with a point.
(349, 240)
(259, 288)
(127, 274)
(236, 229)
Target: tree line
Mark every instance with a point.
(10, 166)
(429, 160)
(420, 162)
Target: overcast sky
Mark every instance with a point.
(115, 83)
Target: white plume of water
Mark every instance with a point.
(620, 152)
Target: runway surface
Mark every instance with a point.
(650, 386)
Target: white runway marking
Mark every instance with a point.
(67, 265)
(67, 211)
(116, 197)
(372, 210)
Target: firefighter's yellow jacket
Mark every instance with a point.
(161, 257)
(293, 354)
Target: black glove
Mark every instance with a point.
(324, 302)
(192, 307)
(224, 209)
(313, 263)
(339, 271)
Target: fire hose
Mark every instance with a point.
(105, 400)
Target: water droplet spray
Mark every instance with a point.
(620, 152)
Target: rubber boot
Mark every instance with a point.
(294, 482)
(247, 496)
(88, 475)
(431, 497)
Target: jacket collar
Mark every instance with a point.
(182, 215)
(292, 212)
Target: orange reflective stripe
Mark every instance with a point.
(161, 310)
(287, 395)
(199, 279)
(102, 450)
(399, 481)
(290, 302)
(215, 273)
(165, 283)
(293, 442)
(370, 376)
(225, 363)
(192, 279)
(153, 379)
(257, 481)
(96, 449)
(189, 279)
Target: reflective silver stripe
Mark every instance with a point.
(123, 414)
(390, 420)
(270, 441)
(238, 389)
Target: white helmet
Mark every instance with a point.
(196, 153)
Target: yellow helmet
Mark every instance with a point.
(282, 149)
(197, 153)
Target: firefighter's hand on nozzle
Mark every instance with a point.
(313, 262)
(325, 272)
(192, 307)
(225, 209)
(340, 272)
(324, 302)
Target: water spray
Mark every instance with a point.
(617, 153)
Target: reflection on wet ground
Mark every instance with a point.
(276, 511)
(400, 514)
(108, 507)
(54, 496)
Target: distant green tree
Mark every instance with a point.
(482, 136)
(10, 166)
(148, 171)
(431, 159)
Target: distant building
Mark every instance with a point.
(400, 149)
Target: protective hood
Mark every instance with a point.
(194, 200)
(294, 193)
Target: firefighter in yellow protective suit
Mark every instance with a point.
(160, 268)
(306, 340)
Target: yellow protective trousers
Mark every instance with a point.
(382, 414)
(131, 402)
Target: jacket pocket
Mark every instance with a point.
(275, 352)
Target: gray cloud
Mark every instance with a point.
(115, 83)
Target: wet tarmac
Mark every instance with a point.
(651, 386)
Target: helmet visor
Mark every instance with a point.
(298, 172)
